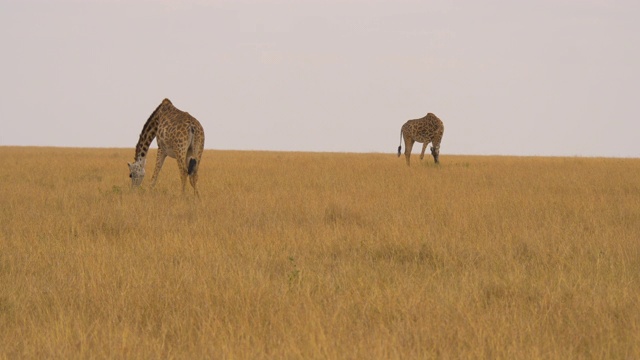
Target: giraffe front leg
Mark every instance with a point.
(424, 147)
(159, 161)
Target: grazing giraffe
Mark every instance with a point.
(179, 135)
(428, 129)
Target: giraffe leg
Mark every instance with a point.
(183, 174)
(199, 146)
(193, 179)
(159, 161)
(183, 178)
(424, 147)
(408, 145)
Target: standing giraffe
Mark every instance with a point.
(179, 135)
(428, 129)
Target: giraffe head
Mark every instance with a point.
(136, 172)
(435, 151)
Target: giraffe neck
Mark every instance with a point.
(149, 131)
(146, 137)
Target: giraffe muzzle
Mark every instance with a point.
(136, 181)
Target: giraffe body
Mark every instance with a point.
(428, 129)
(179, 136)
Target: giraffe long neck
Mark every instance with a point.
(147, 135)
(150, 129)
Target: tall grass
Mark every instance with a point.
(314, 255)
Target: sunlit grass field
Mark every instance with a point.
(319, 255)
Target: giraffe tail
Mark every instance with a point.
(192, 166)
(400, 147)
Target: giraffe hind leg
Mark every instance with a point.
(182, 168)
(193, 179)
(408, 145)
(183, 178)
(192, 171)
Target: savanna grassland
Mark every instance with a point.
(319, 255)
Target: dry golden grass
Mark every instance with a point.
(312, 255)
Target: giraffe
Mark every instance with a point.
(428, 129)
(179, 135)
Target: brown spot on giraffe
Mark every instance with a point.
(428, 129)
(179, 135)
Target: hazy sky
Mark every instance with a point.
(544, 77)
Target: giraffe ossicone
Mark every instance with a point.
(428, 129)
(179, 135)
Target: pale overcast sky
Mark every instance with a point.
(544, 77)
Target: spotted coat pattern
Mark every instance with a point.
(428, 129)
(179, 135)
